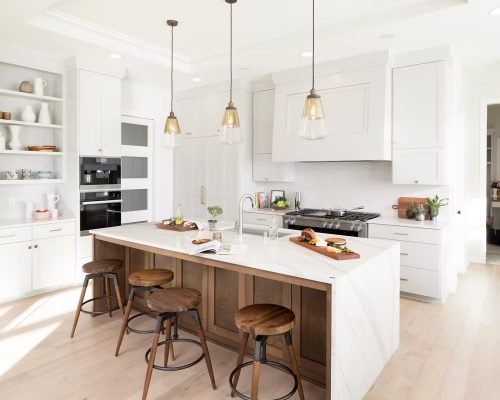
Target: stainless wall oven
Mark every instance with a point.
(98, 173)
(101, 209)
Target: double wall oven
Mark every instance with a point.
(100, 193)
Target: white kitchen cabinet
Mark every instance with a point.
(99, 99)
(263, 167)
(419, 166)
(356, 99)
(16, 264)
(53, 262)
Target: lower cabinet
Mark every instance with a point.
(15, 264)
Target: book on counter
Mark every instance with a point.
(216, 247)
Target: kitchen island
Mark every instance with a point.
(347, 312)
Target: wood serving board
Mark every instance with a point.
(322, 250)
(176, 228)
(403, 204)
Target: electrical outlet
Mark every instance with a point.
(12, 202)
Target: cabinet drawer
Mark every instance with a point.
(261, 219)
(420, 281)
(419, 255)
(405, 234)
(13, 235)
(53, 230)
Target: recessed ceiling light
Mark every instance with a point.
(387, 36)
(306, 54)
(495, 11)
(115, 56)
(196, 79)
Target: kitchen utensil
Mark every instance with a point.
(12, 174)
(403, 202)
(26, 173)
(339, 212)
(38, 86)
(45, 174)
(177, 228)
(52, 200)
(28, 115)
(15, 143)
(26, 87)
(324, 251)
(298, 200)
(44, 114)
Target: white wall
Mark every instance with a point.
(154, 103)
(352, 184)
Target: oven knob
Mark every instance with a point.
(325, 224)
(330, 225)
(286, 221)
(358, 228)
(353, 227)
(291, 222)
(337, 225)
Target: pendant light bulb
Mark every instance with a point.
(230, 132)
(172, 127)
(313, 124)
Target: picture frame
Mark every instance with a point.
(276, 193)
(262, 200)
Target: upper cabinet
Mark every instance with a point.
(264, 169)
(356, 99)
(99, 99)
(421, 123)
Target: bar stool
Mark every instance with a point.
(168, 304)
(262, 321)
(146, 281)
(105, 270)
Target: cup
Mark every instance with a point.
(12, 174)
(26, 173)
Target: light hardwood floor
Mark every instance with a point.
(447, 352)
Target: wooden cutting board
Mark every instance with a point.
(322, 250)
(403, 205)
(176, 228)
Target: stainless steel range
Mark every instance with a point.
(351, 223)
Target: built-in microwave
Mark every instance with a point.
(102, 209)
(98, 173)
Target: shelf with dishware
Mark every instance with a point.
(30, 96)
(31, 153)
(30, 181)
(31, 124)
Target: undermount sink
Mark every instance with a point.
(260, 232)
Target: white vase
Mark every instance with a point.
(44, 114)
(15, 143)
(28, 115)
(2, 141)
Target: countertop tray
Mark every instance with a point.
(176, 228)
(323, 251)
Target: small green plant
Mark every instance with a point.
(436, 203)
(214, 211)
(410, 206)
(420, 209)
(280, 202)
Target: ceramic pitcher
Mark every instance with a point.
(38, 85)
(44, 114)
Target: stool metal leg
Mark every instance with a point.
(241, 356)
(118, 295)
(293, 361)
(80, 303)
(125, 320)
(168, 336)
(204, 346)
(154, 347)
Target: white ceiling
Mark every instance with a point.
(269, 35)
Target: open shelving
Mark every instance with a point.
(31, 153)
(30, 181)
(14, 93)
(34, 124)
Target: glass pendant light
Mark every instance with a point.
(313, 124)
(230, 129)
(172, 129)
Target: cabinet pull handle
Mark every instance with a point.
(260, 219)
(403, 254)
(403, 279)
(400, 234)
(416, 181)
(30, 247)
(36, 246)
(56, 230)
(8, 236)
(203, 195)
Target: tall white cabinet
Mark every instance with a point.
(208, 173)
(421, 123)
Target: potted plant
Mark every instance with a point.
(410, 210)
(420, 212)
(434, 205)
(214, 211)
(280, 203)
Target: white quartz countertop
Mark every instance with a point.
(20, 222)
(277, 256)
(396, 221)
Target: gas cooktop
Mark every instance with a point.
(320, 213)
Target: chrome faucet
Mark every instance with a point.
(240, 215)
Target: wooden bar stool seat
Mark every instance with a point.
(169, 304)
(104, 270)
(262, 321)
(146, 280)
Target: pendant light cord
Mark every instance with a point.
(172, 72)
(231, 56)
(313, 46)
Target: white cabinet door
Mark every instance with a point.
(419, 166)
(263, 115)
(90, 109)
(419, 105)
(15, 259)
(111, 116)
(265, 170)
(53, 262)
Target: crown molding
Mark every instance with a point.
(85, 31)
(31, 59)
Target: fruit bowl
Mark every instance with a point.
(41, 214)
